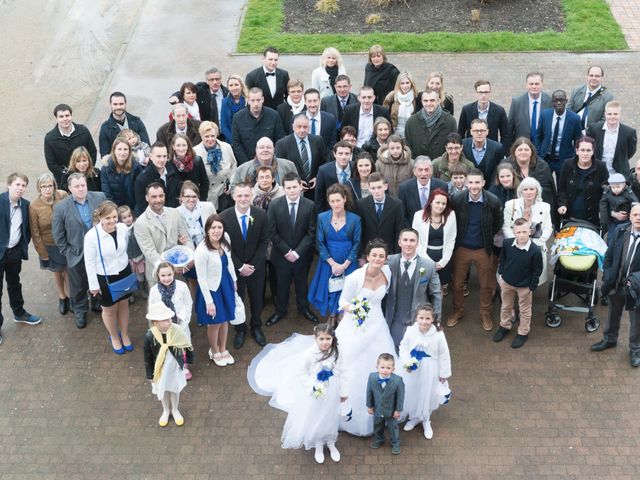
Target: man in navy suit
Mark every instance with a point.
(14, 245)
(340, 170)
(307, 161)
(557, 132)
(493, 114)
(335, 104)
(321, 123)
(414, 192)
(485, 153)
(270, 79)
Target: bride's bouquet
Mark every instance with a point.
(413, 364)
(360, 308)
(321, 384)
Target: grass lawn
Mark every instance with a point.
(589, 27)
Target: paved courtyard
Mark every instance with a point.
(70, 409)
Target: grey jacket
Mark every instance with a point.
(68, 228)
(387, 400)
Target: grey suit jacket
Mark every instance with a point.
(426, 287)
(519, 117)
(69, 230)
(387, 400)
(596, 107)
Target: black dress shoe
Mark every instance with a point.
(95, 305)
(63, 306)
(635, 360)
(81, 321)
(602, 345)
(239, 340)
(259, 337)
(309, 315)
(273, 319)
(604, 300)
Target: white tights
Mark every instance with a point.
(170, 401)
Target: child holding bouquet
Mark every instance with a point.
(426, 366)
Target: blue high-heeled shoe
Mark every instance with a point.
(128, 348)
(117, 351)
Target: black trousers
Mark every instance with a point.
(299, 270)
(10, 268)
(254, 286)
(79, 286)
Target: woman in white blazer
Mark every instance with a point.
(323, 78)
(218, 158)
(529, 205)
(105, 257)
(216, 297)
(437, 230)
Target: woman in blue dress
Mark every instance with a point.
(216, 298)
(338, 238)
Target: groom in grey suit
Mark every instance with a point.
(414, 280)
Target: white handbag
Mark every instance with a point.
(240, 315)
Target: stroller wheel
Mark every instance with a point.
(592, 324)
(553, 320)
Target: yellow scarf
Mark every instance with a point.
(175, 338)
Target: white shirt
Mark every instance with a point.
(271, 81)
(609, 146)
(412, 265)
(524, 247)
(15, 214)
(365, 127)
(240, 215)
(73, 129)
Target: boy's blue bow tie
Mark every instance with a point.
(382, 381)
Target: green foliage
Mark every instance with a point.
(589, 27)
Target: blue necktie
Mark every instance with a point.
(534, 121)
(244, 227)
(379, 210)
(343, 176)
(313, 126)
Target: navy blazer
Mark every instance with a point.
(326, 177)
(410, 196)
(496, 119)
(5, 226)
(493, 155)
(387, 227)
(284, 237)
(352, 115)
(387, 400)
(327, 129)
(331, 104)
(571, 131)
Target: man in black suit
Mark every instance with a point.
(253, 123)
(270, 79)
(362, 116)
(292, 230)
(414, 192)
(306, 151)
(492, 113)
(209, 96)
(382, 216)
(485, 153)
(321, 123)
(248, 229)
(335, 104)
(339, 170)
(615, 142)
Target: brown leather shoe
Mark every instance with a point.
(454, 318)
(487, 323)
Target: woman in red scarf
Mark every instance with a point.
(189, 165)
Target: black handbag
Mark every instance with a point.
(122, 287)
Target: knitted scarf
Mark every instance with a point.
(176, 338)
(262, 199)
(405, 100)
(166, 293)
(214, 157)
(333, 73)
(183, 165)
(430, 120)
(295, 107)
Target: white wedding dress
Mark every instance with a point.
(359, 348)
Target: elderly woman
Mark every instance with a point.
(81, 162)
(120, 173)
(380, 74)
(265, 190)
(452, 156)
(580, 183)
(401, 102)
(219, 160)
(526, 163)
(40, 221)
(232, 104)
(529, 205)
(323, 78)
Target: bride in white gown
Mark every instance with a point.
(360, 345)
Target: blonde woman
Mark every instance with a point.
(435, 81)
(379, 74)
(232, 104)
(81, 162)
(401, 102)
(323, 78)
(120, 173)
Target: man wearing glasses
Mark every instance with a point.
(493, 114)
(484, 152)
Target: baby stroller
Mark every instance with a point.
(577, 252)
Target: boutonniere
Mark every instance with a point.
(250, 220)
(422, 271)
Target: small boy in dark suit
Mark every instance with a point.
(385, 398)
